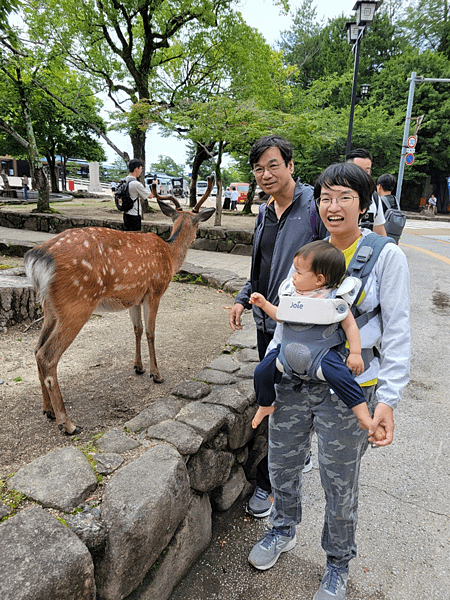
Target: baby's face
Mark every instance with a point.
(304, 278)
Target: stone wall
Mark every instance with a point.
(166, 471)
(213, 239)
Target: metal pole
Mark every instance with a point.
(401, 167)
(355, 85)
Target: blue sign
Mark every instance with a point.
(409, 159)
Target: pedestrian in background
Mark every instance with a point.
(132, 219)
(25, 187)
(234, 198)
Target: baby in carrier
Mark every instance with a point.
(319, 270)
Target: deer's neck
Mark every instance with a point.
(182, 236)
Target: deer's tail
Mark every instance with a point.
(40, 269)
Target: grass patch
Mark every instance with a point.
(11, 498)
(189, 278)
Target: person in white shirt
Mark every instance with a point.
(234, 198)
(132, 219)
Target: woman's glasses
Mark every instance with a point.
(344, 200)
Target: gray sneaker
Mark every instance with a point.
(259, 504)
(334, 583)
(267, 550)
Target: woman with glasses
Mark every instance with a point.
(343, 194)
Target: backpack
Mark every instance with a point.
(395, 218)
(122, 197)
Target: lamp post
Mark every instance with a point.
(365, 12)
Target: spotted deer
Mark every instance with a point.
(81, 270)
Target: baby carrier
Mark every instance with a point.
(316, 320)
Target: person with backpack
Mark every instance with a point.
(132, 218)
(395, 218)
(286, 222)
(343, 194)
(373, 218)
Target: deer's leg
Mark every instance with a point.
(53, 344)
(150, 312)
(47, 327)
(135, 316)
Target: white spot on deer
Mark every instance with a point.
(85, 277)
(76, 282)
(86, 243)
(130, 264)
(125, 270)
(86, 264)
(112, 271)
(100, 281)
(119, 253)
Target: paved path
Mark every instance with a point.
(239, 265)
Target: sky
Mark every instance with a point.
(264, 16)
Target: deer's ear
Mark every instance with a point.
(168, 210)
(205, 214)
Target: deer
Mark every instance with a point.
(96, 268)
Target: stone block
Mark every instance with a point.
(42, 559)
(106, 463)
(191, 390)
(215, 377)
(191, 539)
(142, 507)
(242, 250)
(158, 411)
(205, 419)
(243, 338)
(240, 429)
(117, 442)
(204, 244)
(226, 363)
(224, 496)
(183, 437)
(61, 479)
(228, 396)
(209, 468)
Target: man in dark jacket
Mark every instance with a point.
(288, 221)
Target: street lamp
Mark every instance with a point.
(365, 12)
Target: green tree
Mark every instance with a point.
(125, 46)
(166, 164)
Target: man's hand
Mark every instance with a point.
(235, 316)
(384, 416)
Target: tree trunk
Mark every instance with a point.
(247, 210)
(202, 153)
(38, 174)
(218, 216)
(138, 142)
(51, 159)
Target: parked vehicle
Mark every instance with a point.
(242, 189)
(201, 187)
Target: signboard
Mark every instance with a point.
(412, 141)
(409, 158)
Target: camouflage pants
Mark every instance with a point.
(301, 409)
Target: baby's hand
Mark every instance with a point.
(355, 363)
(257, 299)
(378, 435)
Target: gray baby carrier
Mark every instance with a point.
(303, 359)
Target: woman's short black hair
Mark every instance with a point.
(347, 175)
(267, 142)
(326, 260)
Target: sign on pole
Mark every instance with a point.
(412, 141)
(409, 158)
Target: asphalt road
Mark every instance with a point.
(404, 515)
